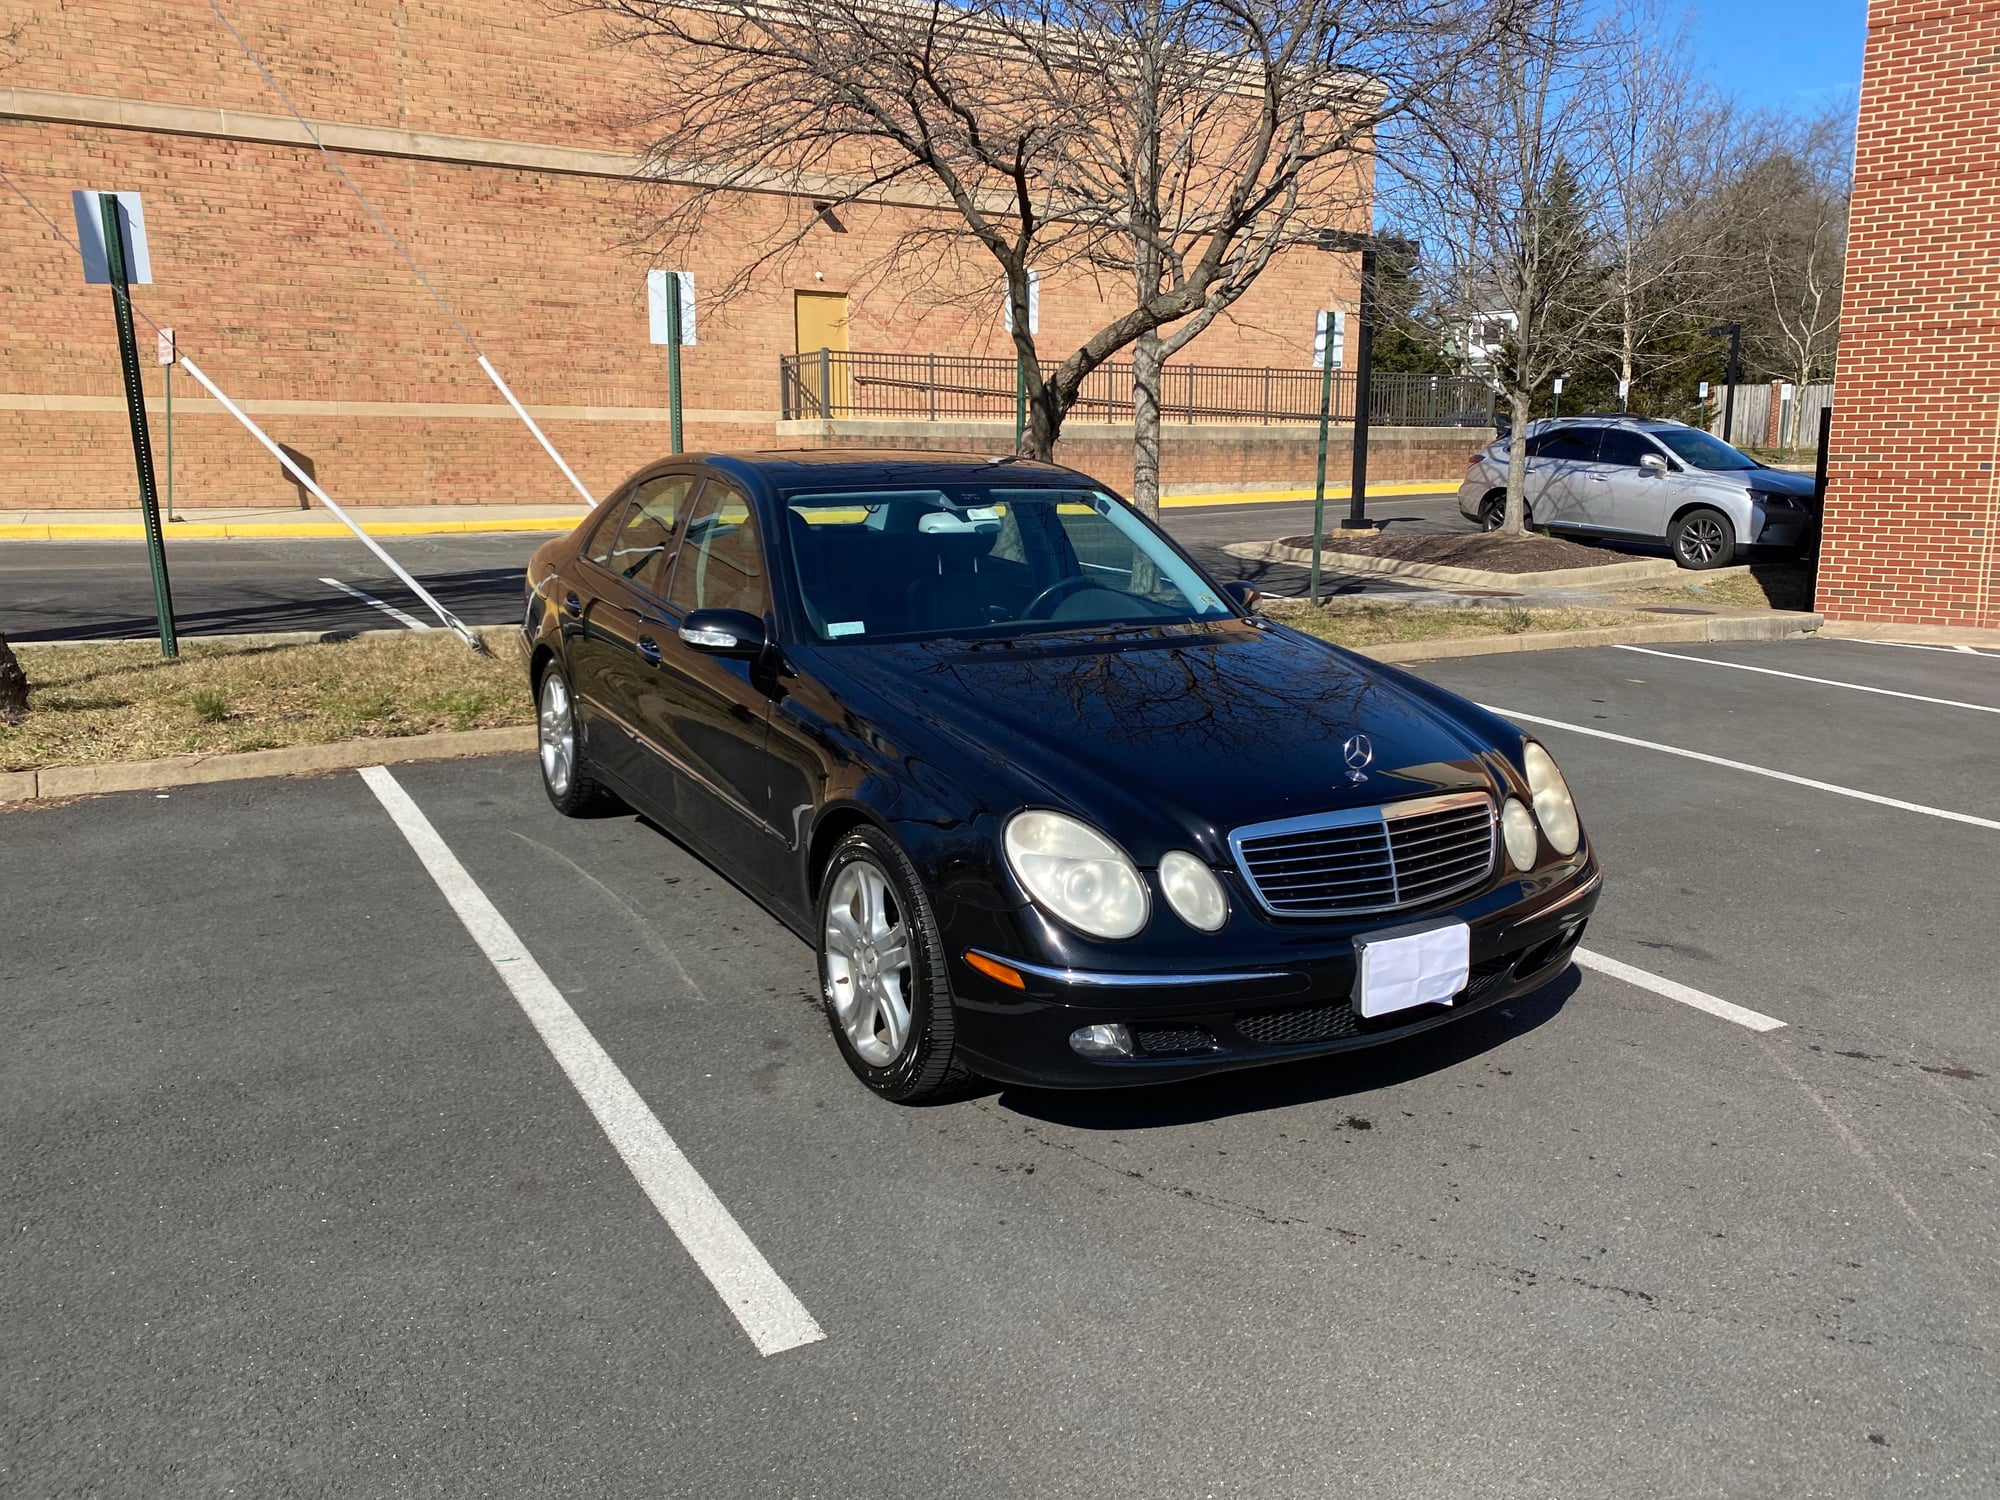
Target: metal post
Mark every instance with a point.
(1319, 477)
(1020, 399)
(673, 362)
(1730, 375)
(1825, 446)
(1364, 352)
(930, 389)
(170, 440)
(825, 384)
(135, 404)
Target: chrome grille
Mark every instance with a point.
(1368, 859)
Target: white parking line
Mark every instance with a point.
(1739, 765)
(1686, 994)
(1853, 687)
(409, 621)
(1919, 646)
(774, 1318)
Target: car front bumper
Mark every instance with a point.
(1194, 1021)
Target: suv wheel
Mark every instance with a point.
(1703, 539)
(1493, 512)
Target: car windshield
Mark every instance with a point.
(1693, 446)
(983, 561)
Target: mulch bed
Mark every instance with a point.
(1485, 550)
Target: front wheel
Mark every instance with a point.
(1703, 539)
(881, 971)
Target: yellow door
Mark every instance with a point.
(820, 320)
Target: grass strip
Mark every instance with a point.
(91, 705)
(1388, 624)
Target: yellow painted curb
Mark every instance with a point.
(1333, 492)
(92, 531)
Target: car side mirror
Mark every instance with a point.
(723, 632)
(1652, 463)
(1245, 596)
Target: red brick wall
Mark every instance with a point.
(1913, 500)
(284, 292)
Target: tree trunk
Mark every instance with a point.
(1516, 522)
(13, 686)
(1148, 359)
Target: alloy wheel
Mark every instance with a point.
(1701, 539)
(556, 734)
(868, 975)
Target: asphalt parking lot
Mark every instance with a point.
(102, 590)
(322, 1180)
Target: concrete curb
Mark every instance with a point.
(1639, 570)
(1777, 626)
(108, 531)
(294, 760)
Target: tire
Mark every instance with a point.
(566, 777)
(1493, 512)
(881, 957)
(1703, 539)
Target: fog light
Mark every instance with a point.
(1517, 826)
(1101, 1041)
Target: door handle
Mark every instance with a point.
(573, 606)
(650, 650)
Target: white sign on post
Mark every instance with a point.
(1329, 340)
(1624, 389)
(90, 238)
(656, 306)
(1034, 306)
(1559, 385)
(1703, 392)
(168, 353)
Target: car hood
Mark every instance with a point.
(1163, 736)
(1780, 482)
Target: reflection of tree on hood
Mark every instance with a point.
(1174, 680)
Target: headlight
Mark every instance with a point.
(1517, 827)
(1076, 873)
(1554, 809)
(1193, 891)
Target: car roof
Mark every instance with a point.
(794, 468)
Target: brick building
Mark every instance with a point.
(1913, 499)
(498, 138)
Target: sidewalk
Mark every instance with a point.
(123, 524)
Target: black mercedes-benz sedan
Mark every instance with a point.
(1052, 806)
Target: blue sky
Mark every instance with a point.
(1798, 56)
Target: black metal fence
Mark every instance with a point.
(956, 387)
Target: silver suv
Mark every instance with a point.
(1648, 481)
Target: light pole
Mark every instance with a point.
(1730, 375)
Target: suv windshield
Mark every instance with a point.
(979, 560)
(1693, 446)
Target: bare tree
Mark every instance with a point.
(1663, 142)
(13, 686)
(1184, 147)
(1501, 183)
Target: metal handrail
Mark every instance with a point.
(834, 383)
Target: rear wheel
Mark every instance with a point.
(1493, 512)
(881, 971)
(1703, 539)
(566, 776)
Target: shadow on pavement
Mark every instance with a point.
(1311, 1081)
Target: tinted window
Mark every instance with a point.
(981, 560)
(1692, 445)
(1624, 447)
(721, 565)
(641, 545)
(1575, 444)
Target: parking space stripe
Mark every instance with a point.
(774, 1318)
(1686, 994)
(1852, 687)
(1741, 765)
(1919, 646)
(410, 622)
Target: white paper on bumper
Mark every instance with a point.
(1401, 970)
